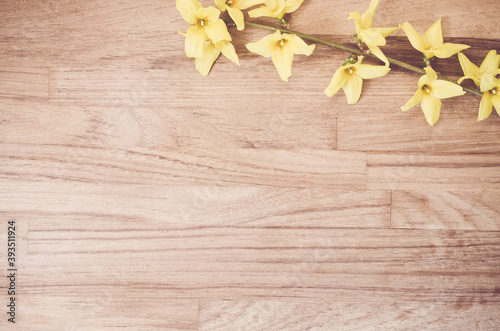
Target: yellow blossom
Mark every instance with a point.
(276, 8)
(207, 25)
(350, 77)
(372, 37)
(235, 7)
(429, 94)
(431, 43)
(211, 52)
(490, 86)
(281, 48)
(490, 66)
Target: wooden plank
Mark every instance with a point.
(224, 167)
(109, 307)
(61, 47)
(436, 209)
(345, 265)
(41, 122)
(157, 98)
(332, 315)
(86, 206)
(427, 171)
(101, 15)
(24, 84)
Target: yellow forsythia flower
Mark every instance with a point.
(431, 43)
(489, 66)
(350, 77)
(276, 8)
(235, 7)
(207, 25)
(211, 52)
(491, 96)
(429, 94)
(372, 37)
(281, 48)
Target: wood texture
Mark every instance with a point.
(330, 315)
(148, 197)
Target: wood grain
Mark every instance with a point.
(148, 197)
(376, 127)
(350, 265)
(426, 171)
(454, 210)
(160, 207)
(331, 315)
(108, 307)
(224, 167)
(24, 83)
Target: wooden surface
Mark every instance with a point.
(147, 197)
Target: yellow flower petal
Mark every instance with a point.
(266, 45)
(428, 78)
(245, 4)
(471, 71)
(337, 81)
(204, 63)
(358, 20)
(449, 49)
(490, 63)
(262, 11)
(488, 82)
(461, 79)
(283, 59)
(228, 51)
(367, 71)
(237, 17)
(433, 37)
(371, 37)
(368, 15)
(274, 3)
(188, 9)
(385, 31)
(414, 37)
(352, 88)
(221, 4)
(485, 107)
(209, 14)
(276, 8)
(217, 31)
(415, 100)
(431, 106)
(378, 53)
(298, 46)
(443, 89)
(195, 39)
(291, 6)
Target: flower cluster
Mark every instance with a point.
(484, 77)
(208, 37)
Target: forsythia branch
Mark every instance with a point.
(358, 52)
(208, 37)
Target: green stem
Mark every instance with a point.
(357, 51)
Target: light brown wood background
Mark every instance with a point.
(148, 197)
